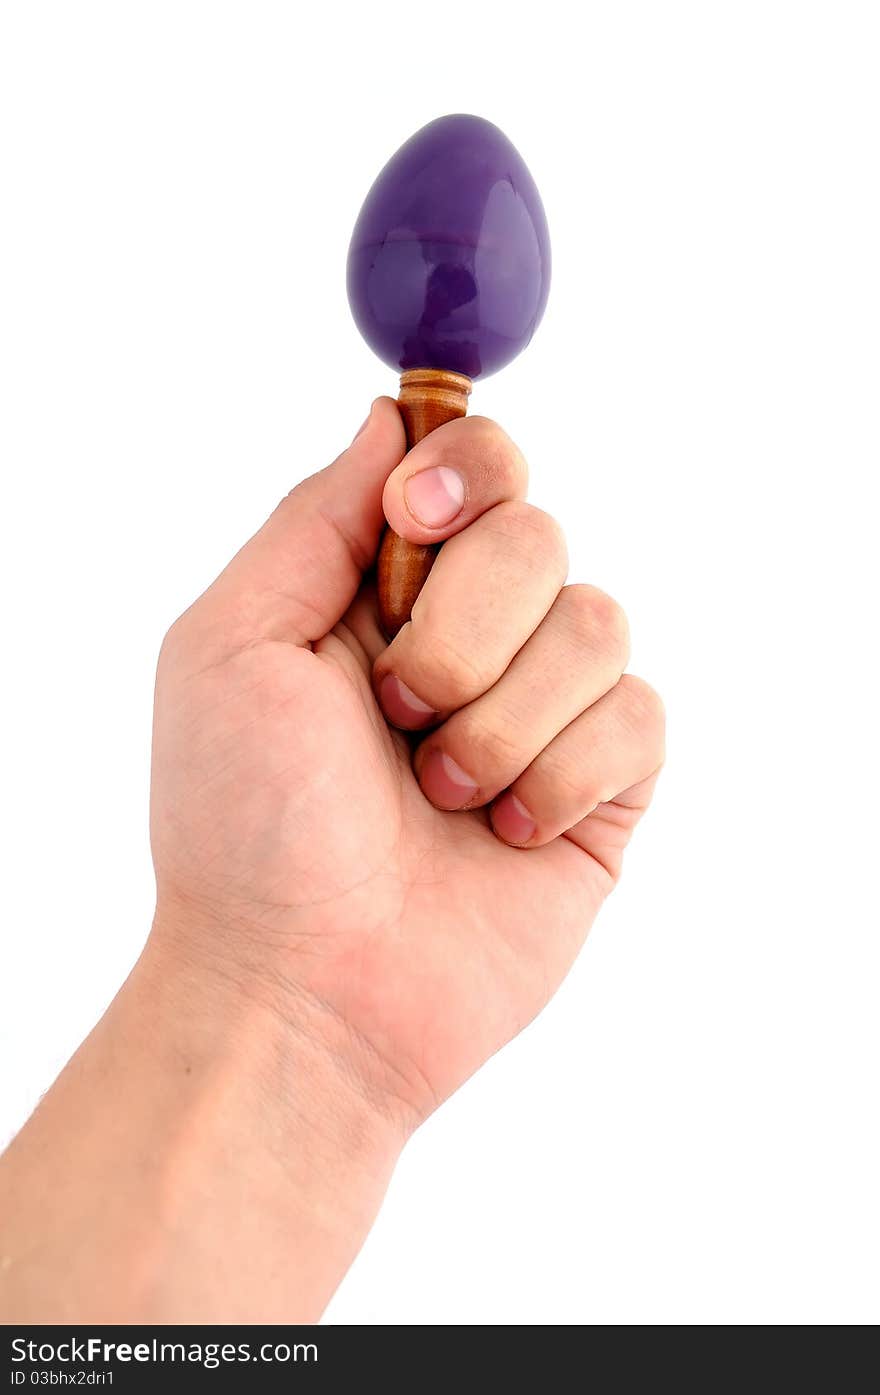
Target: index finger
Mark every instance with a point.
(452, 477)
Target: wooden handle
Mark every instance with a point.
(428, 398)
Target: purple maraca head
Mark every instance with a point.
(449, 263)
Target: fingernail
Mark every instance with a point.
(434, 497)
(445, 783)
(364, 424)
(512, 820)
(401, 706)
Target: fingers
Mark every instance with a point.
(488, 591)
(450, 478)
(574, 657)
(299, 573)
(521, 679)
(605, 832)
(616, 744)
(456, 474)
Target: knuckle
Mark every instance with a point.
(598, 620)
(445, 673)
(644, 704)
(575, 788)
(493, 455)
(491, 749)
(530, 532)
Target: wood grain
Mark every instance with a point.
(429, 397)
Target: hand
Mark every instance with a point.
(349, 918)
(413, 899)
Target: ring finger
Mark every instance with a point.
(576, 655)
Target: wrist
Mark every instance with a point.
(267, 979)
(215, 976)
(265, 1103)
(203, 1158)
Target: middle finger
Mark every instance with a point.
(489, 589)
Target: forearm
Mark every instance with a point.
(197, 1160)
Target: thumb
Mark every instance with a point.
(300, 572)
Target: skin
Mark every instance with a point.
(347, 926)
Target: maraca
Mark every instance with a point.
(448, 275)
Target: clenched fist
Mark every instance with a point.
(375, 862)
(402, 845)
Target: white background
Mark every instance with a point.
(688, 1134)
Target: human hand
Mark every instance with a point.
(311, 855)
(346, 926)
